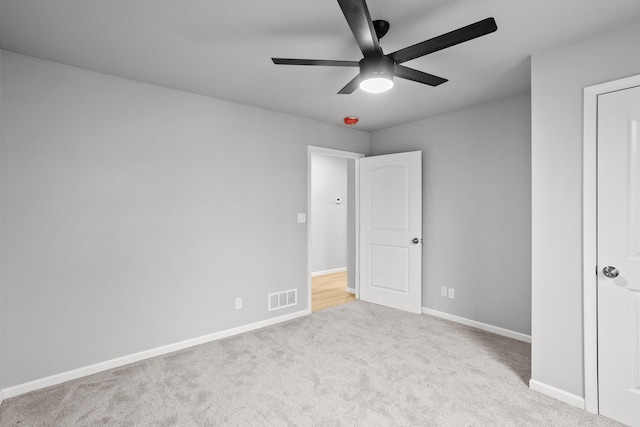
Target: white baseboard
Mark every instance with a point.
(478, 325)
(351, 290)
(333, 270)
(136, 357)
(556, 393)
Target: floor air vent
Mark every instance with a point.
(278, 300)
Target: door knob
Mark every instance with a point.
(415, 241)
(610, 272)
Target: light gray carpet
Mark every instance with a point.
(355, 365)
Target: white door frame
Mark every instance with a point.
(311, 150)
(589, 233)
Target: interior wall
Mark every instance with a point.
(351, 225)
(3, 310)
(136, 214)
(476, 209)
(558, 78)
(328, 218)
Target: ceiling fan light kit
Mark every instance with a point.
(376, 74)
(377, 69)
(376, 84)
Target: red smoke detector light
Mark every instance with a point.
(350, 121)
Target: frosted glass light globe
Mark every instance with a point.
(376, 84)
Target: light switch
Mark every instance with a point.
(302, 218)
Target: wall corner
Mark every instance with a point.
(3, 287)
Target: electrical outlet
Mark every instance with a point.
(238, 303)
(452, 293)
(443, 291)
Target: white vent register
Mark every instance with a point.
(278, 300)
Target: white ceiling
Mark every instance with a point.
(222, 48)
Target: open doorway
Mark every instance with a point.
(332, 227)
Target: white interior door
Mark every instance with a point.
(391, 230)
(619, 247)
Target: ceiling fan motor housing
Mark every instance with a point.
(376, 74)
(372, 67)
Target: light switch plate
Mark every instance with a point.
(302, 218)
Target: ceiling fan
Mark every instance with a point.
(377, 69)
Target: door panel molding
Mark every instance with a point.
(589, 234)
(634, 190)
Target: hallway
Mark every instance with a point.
(329, 290)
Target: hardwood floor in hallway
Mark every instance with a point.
(329, 290)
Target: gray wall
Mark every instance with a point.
(135, 214)
(476, 207)
(328, 219)
(3, 289)
(558, 78)
(351, 224)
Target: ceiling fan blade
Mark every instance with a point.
(417, 76)
(325, 62)
(359, 20)
(351, 86)
(444, 41)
